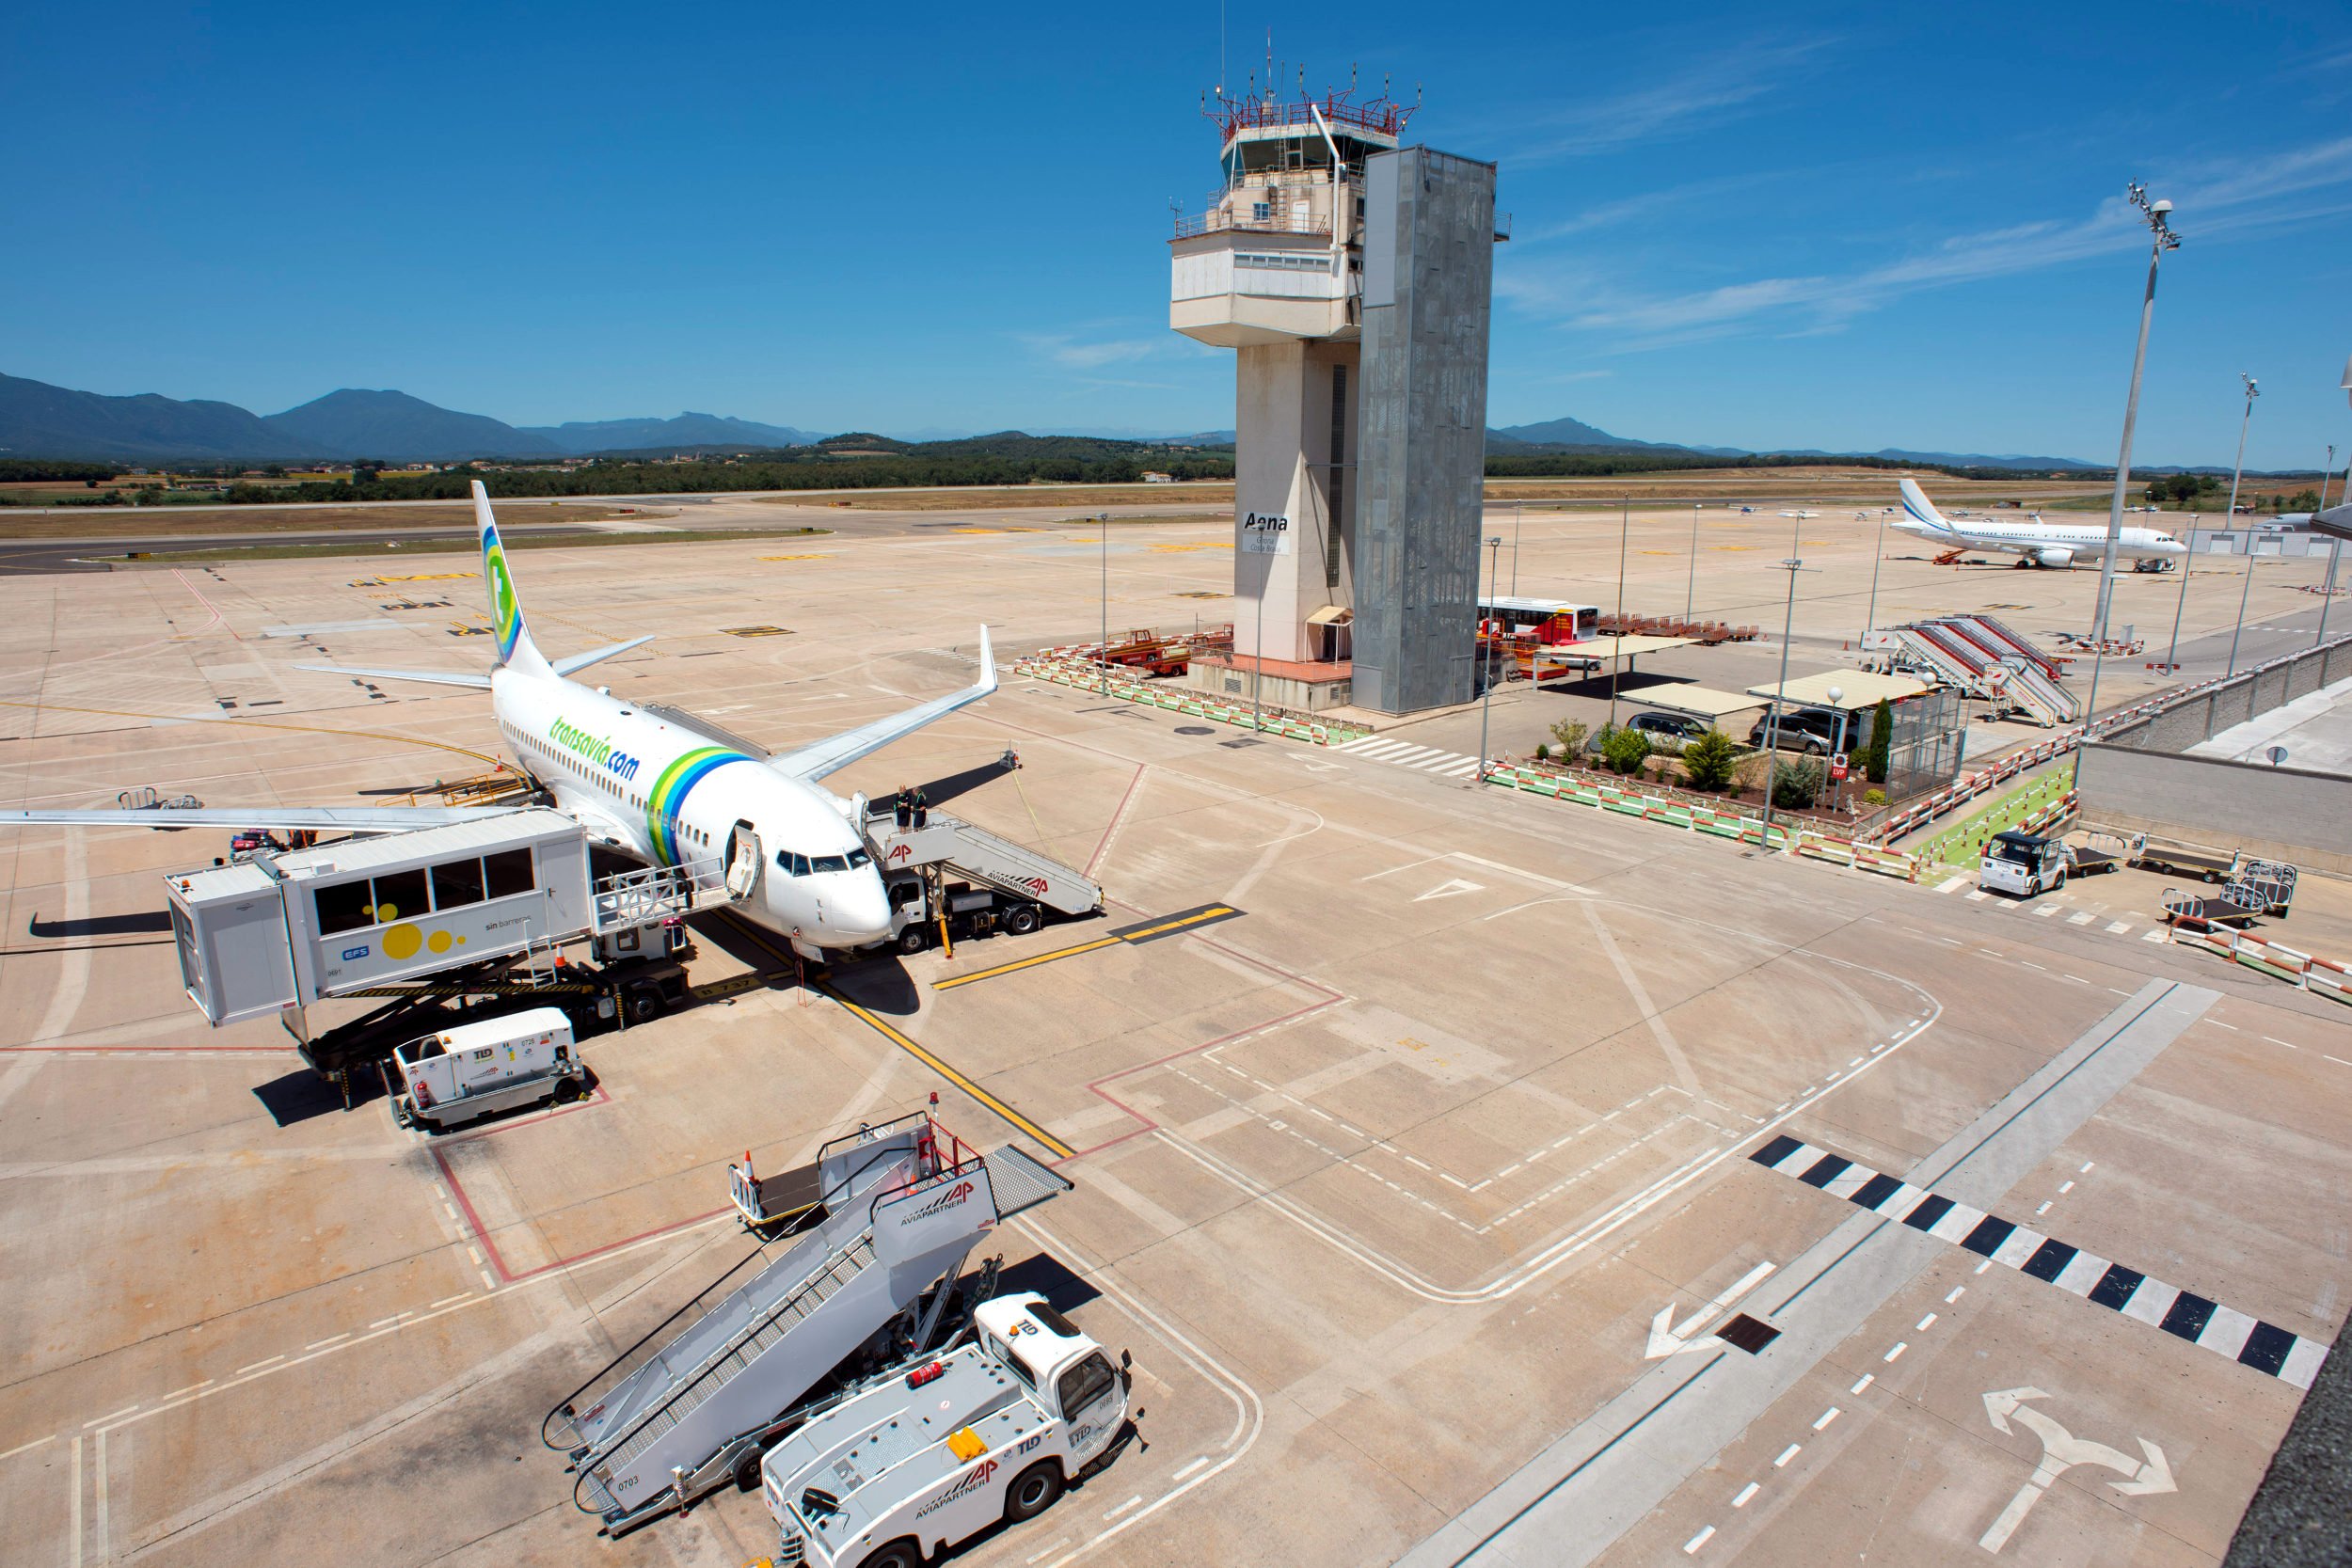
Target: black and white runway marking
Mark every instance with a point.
(2223, 1330)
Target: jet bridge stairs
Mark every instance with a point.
(902, 1205)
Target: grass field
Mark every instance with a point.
(152, 522)
(1964, 846)
(551, 540)
(972, 496)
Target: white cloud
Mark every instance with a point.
(2214, 200)
(1700, 94)
(1066, 350)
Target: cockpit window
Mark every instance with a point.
(828, 863)
(792, 864)
(858, 858)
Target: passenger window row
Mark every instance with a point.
(411, 894)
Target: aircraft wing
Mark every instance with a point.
(352, 819)
(837, 751)
(430, 677)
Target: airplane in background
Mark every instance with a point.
(650, 782)
(2036, 543)
(1800, 513)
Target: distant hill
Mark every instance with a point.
(1950, 459)
(1575, 435)
(401, 428)
(38, 419)
(578, 438)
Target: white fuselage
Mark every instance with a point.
(2031, 539)
(666, 795)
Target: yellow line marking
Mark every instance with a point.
(1028, 963)
(1060, 1149)
(1214, 913)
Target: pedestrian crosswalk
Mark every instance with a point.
(1422, 759)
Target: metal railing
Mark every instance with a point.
(1218, 220)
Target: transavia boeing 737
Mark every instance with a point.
(649, 781)
(2037, 544)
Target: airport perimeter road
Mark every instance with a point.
(1414, 1127)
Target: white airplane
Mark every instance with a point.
(649, 781)
(1800, 513)
(2037, 543)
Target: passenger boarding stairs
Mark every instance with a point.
(640, 896)
(901, 1206)
(982, 856)
(1988, 659)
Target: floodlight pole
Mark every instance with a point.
(1487, 693)
(1690, 589)
(1871, 616)
(2172, 654)
(2158, 215)
(1616, 665)
(1515, 539)
(1105, 518)
(1771, 721)
(2245, 592)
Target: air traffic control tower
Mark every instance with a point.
(1353, 278)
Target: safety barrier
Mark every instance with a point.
(2320, 977)
(1694, 817)
(2007, 766)
(1268, 721)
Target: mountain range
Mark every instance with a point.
(40, 421)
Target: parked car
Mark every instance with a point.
(1811, 730)
(1667, 732)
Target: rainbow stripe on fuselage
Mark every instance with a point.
(667, 798)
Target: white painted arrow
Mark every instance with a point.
(2061, 1451)
(1666, 1339)
(1454, 889)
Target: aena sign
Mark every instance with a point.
(1265, 533)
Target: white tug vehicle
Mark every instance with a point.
(993, 1429)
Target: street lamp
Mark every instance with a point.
(1690, 589)
(2251, 393)
(1771, 721)
(2172, 654)
(1616, 665)
(2159, 216)
(1871, 616)
(1514, 540)
(1485, 661)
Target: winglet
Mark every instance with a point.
(988, 664)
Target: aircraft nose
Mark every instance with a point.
(862, 910)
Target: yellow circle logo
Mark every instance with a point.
(402, 942)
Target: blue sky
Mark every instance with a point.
(1761, 226)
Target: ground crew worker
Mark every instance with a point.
(922, 807)
(903, 807)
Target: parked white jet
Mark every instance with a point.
(649, 781)
(2037, 543)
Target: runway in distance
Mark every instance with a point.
(2035, 543)
(650, 782)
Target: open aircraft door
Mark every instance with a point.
(743, 862)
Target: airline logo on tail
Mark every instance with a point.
(505, 612)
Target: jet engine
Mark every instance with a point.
(2053, 555)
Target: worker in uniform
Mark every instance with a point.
(903, 807)
(922, 807)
